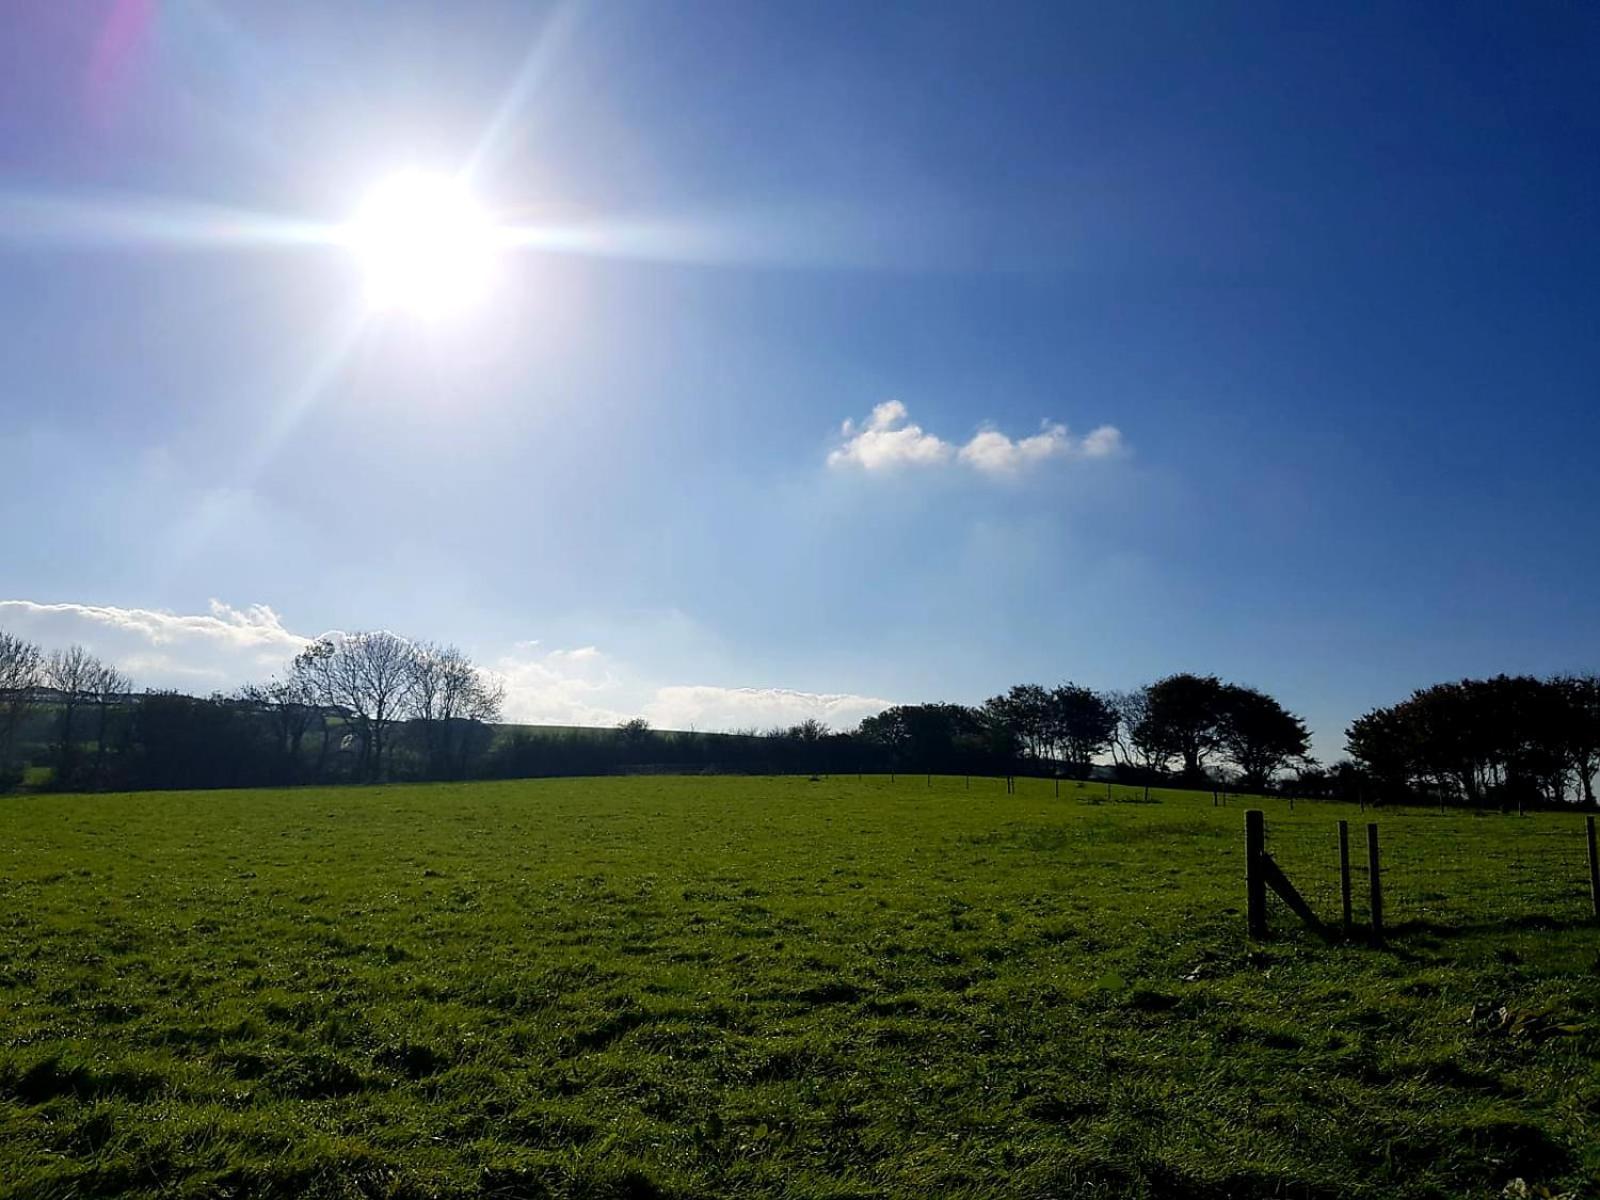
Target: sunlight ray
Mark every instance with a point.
(557, 29)
(70, 221)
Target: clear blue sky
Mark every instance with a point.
(1331, 274)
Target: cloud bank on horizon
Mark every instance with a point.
(889, 439)
(228, 646)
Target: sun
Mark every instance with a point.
(426, 246)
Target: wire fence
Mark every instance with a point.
(1452, 869)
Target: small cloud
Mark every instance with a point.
(561, 687)
(888, 439)
(997, 454)
(1104, 442)
(579, 655)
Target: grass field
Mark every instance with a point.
(774, 987)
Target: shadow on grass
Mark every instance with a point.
(1423, 927)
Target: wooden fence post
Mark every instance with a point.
(1375, 882)
(1255, 880)
(1344, 874)
(1594, 869)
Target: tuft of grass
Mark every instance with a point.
(687, 987)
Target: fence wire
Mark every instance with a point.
(1450, 869)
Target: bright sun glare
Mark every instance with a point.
(426, 246)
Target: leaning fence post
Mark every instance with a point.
(1344, 873)
(1375, 882)
(1594, 869)
(1255, 882)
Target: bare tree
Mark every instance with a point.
(1135, 740)
(20, 666)
(292, 704)
(369, 677)
(71, 674)
(107, 687)
(448, 695)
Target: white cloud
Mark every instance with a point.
(561, 687)
(1104, 442)
(253, 626)
(889, 439)
(997, 454)
(224, 646)
(721, 708)
(586, 687)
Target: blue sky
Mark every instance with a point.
(1326, 281)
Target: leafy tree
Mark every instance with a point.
(932, 737)
(1024, 711)
(1259, 736)
(1188, 714)
(1580, 729)
(1078, 724)
(1507, 739)
(1136, 743)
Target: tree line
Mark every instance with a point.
(360, 707)
(1505, 741)
(373, 706)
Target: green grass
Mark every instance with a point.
(772, 987)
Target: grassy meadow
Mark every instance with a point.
(697, 987)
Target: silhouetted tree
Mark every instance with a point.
(1136, 744)
(1580, 729)
(926, 737)
(70, 673)
(1024, 710)
(1260, 736)
(1078, 725)
(1505, 740)
(291, 705)
(1187, 713)
(450, 700)
(107, 688)
(20, 666)
(184, 742)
